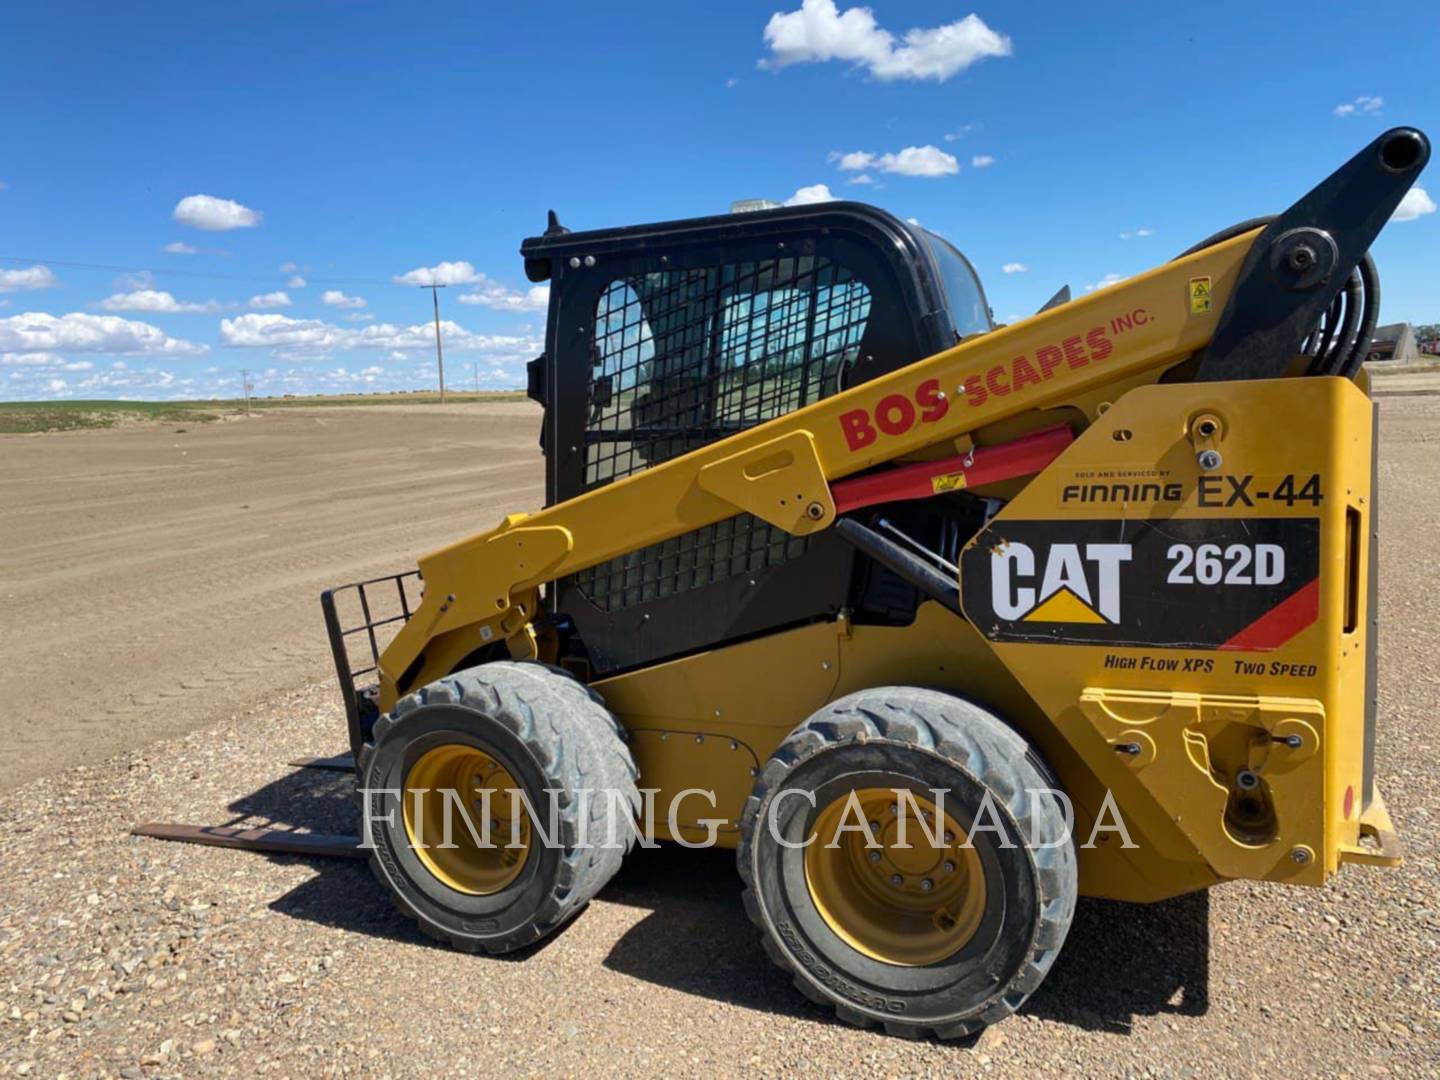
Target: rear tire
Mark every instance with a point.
(538, 729)
(876, 935)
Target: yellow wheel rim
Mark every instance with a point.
(463, 864)
(908, 906)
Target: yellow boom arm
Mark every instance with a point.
(1083, 354)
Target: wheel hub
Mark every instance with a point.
(462, 783)
(908, 904)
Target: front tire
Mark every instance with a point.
(481, 734)
(931, 938)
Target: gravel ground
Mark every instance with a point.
(131, 957)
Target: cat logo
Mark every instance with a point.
(1078, 583)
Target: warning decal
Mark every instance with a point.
(947, 482)
(1199, 295)
(1244, 584)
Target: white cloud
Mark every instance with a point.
(959, 133)
(270, 300)
(731, 83)
(863, 178)
(35, 359)
(1416, 203)
(1014, 268)
(446, 273)
(37, 331)
(1361, 105)
(912, 161)
(853, 161)
(288, 268)
(982, 161)
(295, 282)
(179, 247)
(1137, 234)
(819, 32)
(497, 297)
(360, 316)
(314, 337)
(32, 277)
(1105, 282)
(215, 214)
(154, 300)
(336, 298)
(814, 193)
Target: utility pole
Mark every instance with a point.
(439, 355)
(245, 388)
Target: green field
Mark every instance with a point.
(34, 417)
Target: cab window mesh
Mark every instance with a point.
(684, 357)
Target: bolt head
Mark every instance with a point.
(1209, 460)
(873, 856)
(896, 880)
(949, 839)
(1302, 257)
(1300, 856)
(948, 866)
(926, 885)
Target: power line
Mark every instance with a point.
(161, 271)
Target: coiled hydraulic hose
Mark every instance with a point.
(1340, 341)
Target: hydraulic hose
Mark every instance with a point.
(1340, 341)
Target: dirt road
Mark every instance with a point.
(134, 958)
(158, 579)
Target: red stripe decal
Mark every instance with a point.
(1280, 623)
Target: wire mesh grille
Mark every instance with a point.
(685, 357)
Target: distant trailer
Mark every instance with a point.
(1395, 342)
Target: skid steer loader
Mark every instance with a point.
(939, 624)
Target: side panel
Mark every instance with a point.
(1200, 634)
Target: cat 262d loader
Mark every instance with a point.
(938, 624)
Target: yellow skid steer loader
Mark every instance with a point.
(938, 624)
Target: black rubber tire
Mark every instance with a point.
(550, 732)
(914, 736)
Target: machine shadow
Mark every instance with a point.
(1120, 961)
(343, 894)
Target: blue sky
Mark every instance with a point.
(323, 151)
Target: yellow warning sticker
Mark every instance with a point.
(947, 482)
(1199, 296)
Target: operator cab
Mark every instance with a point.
(663, 338)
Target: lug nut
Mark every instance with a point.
(873, 856)
(948, 866)
(949, 839)
(926, 885)
(896, 880)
